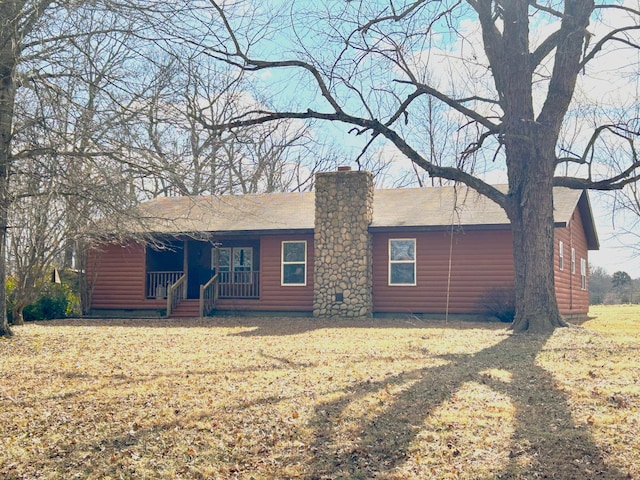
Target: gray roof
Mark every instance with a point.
(406, 208)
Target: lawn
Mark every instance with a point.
(268, 398)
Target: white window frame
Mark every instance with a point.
(215, 255)
(573, 260)
(561, 255)
(283, 263)
(236, 273)
(248, 254)
(583, 273)
(398, 262)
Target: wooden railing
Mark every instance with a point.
(177, 292)
(239, 284)
(208, 296)
(158, 283)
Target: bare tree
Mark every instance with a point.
(195, 160)
(93, 118)
(514, 70)
(36, 240)
(17, 20)
(68, 87)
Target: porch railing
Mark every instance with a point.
(239, 284)
(158, 283)
(177, 292)
(208, 296)
(229, 285)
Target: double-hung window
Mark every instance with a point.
(402, 261)
(573, 260)
(583, 274)
(294, 263)
(561, 255)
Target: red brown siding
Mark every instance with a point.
(273, 295)
(120, 279)
(120, 282)
(480, 260)
(572, 299)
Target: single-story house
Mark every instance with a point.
(344, 250)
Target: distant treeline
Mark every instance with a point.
(612, 289)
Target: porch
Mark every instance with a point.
(190, 270)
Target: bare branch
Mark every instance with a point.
(547, 9)
(608, 37)
(455, 104)
(250, 64)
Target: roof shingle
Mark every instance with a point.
(393, 208)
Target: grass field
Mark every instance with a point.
(320, 399)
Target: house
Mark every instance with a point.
(345, 250)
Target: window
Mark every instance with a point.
(573, 260)
(583, 274)
(561, 254)
(242, 264)
(402, 261)
(221, 260)
(294, 263)
(234, 265)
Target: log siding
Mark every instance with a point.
(572, 299)
(273, 295)
(472, 274)
(120, 278)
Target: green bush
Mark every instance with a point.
(54, 301)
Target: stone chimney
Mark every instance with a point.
(343, 250)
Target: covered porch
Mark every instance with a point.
(206, 270)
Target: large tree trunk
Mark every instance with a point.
(529, 205)
(7, 100)
(530, 144)
(533, 246)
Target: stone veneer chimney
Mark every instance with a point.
(343, 250)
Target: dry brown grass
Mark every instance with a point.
(303, 398)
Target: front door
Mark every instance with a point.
(199, 267)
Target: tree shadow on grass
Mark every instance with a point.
(546, 442)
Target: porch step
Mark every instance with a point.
(187, 308)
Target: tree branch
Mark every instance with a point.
(250, 64)
(378, 128)
(609, 36)
(453, 103)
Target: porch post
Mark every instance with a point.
(185, 265)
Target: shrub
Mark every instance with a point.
(54, 301)
(500, 302)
